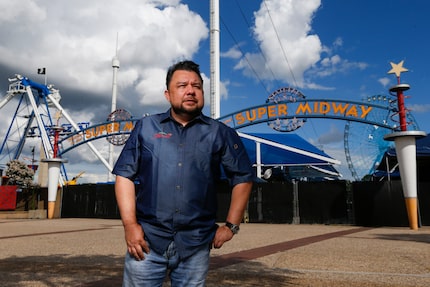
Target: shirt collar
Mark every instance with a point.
(167, 116)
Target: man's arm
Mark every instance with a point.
(239, 199)
(126, 199)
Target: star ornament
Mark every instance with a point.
(397, 69)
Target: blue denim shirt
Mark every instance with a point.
(177, 169)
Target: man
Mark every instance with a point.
(176, 158)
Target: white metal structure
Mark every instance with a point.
(115, 67)
(38, 108)
(214, 60)
(258, 141)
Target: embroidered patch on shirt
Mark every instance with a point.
(162, 135)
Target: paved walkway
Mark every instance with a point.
(89, 253)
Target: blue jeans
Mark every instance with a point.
(152, 271)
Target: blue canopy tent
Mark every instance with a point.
(389, 167)
(288, 156)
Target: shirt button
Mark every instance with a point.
(178, 187)
(180, 164)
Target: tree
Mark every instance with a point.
(20, 174)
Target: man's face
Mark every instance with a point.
(185, 93)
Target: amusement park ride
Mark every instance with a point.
(36, 114)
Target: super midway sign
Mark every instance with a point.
(306, 108)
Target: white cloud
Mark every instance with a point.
(335, 64)
(283, 30)
(233, 53)
(296, 50)
(384, 81)
(26, 9)
(75, 41)
(333, 135)
(416, 108)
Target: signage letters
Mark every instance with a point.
(100, 131)
(300, 109)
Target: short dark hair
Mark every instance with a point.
(183, 66)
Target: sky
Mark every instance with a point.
(332, 49)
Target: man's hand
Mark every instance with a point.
(134, 236)
(136, 244)
(222, 235)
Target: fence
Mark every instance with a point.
(325, 202)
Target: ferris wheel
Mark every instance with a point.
(364, 144)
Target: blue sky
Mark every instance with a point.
(327, 49)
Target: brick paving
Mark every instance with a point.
(90, 252)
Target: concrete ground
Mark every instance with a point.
(90, 252)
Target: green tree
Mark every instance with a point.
(18, 173)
